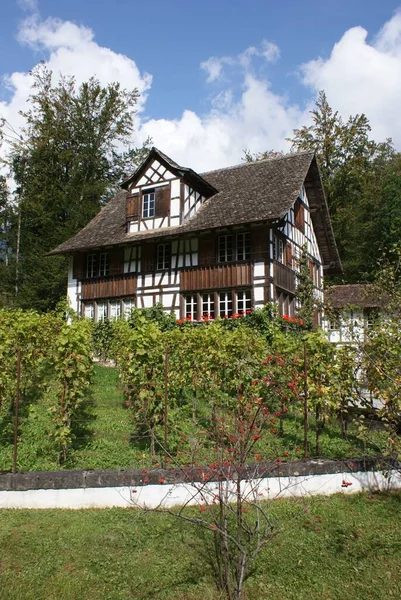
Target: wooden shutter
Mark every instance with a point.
(133, 207)
(207, 250)
(117, 261)
(148, 260)
(78, 265)
(259, 239)
(299, 213)
(162, 201)
(288, 255)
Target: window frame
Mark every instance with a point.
(226, 301)
(208, 304)
(228, 246)
(163, 259)
(148, 204)
(245, 300)
(191, 301)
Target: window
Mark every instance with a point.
(89, 311)
(148, 209)
(208, 305)
(225, 248)
(370, 317)
(225, 304)
(235, 247)
(104, 264)
(115, 309)
(91, 265)
(98, 265)
(191, 307)
(132, 259)
(243, 246)
(101, 311)
(244, 301)
(129, 305)
(163, 256)
(278, 249)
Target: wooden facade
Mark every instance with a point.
(284, 278)
(109, 287)
(227, 275)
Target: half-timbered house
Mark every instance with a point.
(213, 243)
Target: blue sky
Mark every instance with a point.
(263, 64)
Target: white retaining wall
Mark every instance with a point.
(168, 495)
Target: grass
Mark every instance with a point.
(341, 547)
(104, 435)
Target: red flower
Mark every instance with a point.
(256, 437)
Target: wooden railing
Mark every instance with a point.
(284, 278)
(109, 287)
(216, 277)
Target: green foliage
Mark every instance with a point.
(73, 370)
(34, 335)
(306, 293)
(154, 314)
(362, 183)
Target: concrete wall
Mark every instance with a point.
(167, 488)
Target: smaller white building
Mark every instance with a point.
(351, 312)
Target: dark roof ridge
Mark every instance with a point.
(258, 162)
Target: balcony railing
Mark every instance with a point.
(284, 278)
(109, 287)
(226, 275)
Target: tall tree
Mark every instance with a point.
(73, 152)
(355, 171)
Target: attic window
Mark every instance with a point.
(148, 206)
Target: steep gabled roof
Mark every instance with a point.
(190, 176)
(249, 193)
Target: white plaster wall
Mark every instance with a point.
(73, 288)
(259, 269)
(154, 496)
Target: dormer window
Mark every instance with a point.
(148, 205)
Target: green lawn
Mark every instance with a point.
(341, 547)
(104, 435)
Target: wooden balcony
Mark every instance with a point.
(284, 278)
(227, 275)
(109, 287)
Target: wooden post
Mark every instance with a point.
(306, 427)
(165, 407)
(16, 406)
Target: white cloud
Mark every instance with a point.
(259, 120)
(363, 77)
(71, 50)
(214, 65)
(28, 5)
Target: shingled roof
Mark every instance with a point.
(261, 191)
(363, 295)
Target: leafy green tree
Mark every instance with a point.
(356, 171)
(66, 165)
